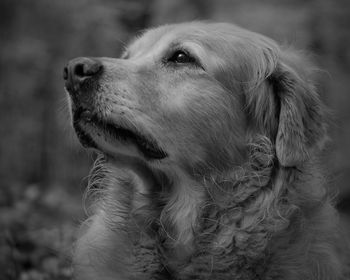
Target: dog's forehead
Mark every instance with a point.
(215, 36)
(161, 36)
(166, 35)
(218, 46)
(148, 38)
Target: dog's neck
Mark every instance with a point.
(211, 225)
(227, 222)
(247, 208)
(234, 209)
(183, 200)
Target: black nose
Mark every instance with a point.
(80, 69)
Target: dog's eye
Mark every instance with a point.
(181, 57)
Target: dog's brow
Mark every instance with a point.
(209, 59)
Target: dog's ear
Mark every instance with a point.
(287, 109)
(301, 126)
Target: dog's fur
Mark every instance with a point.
(239, 194)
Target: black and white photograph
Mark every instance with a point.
(174, 140)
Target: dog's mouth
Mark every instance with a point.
(83, 118)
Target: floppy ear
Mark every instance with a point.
(301, 127)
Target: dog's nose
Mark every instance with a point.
(79, 70)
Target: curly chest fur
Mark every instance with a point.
(253, 226)
(202, 234)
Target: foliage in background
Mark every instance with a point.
(42, 166)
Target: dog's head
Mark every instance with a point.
(193, 95)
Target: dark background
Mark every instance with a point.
(43, 169)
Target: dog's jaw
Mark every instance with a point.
(113, 139)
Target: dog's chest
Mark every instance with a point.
(193, 237)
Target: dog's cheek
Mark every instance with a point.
(220, 128)
(205, 123)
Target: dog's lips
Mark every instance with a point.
(147, 146)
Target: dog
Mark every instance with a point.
(208, 138)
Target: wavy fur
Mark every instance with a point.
(240, 195)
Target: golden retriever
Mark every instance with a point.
(208, 136)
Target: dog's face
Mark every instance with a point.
(190, 95)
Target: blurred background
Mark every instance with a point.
(43, 169)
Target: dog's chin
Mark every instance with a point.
(114, 140)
